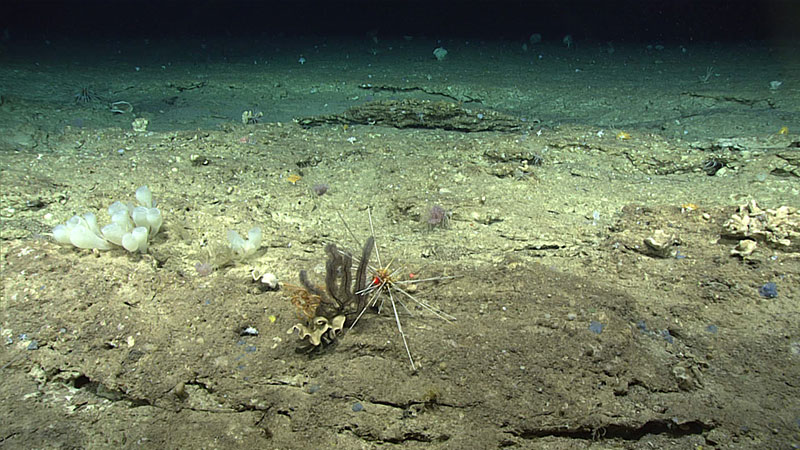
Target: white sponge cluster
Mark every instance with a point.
(131, 226)
(244, 248)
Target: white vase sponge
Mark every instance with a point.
(149, 218)
(120, 225)
(130, 226)
(145, 197)
(245, 248)
(136, 240)
(82, 232)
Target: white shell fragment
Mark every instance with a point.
(269, 281)
(121, 107)
(249, 331)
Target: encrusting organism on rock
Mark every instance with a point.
(324, 313)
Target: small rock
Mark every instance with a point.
(659, 244)
(180, 390)
(596, 327)
(744, 248)
(768, 290)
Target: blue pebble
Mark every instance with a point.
(712, 329)
(642, 325)
(596, 327)
(768, 290)
(667, 337)
(357, 406)
(33, 345)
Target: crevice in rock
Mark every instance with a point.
(83, 382)
(619, 431)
